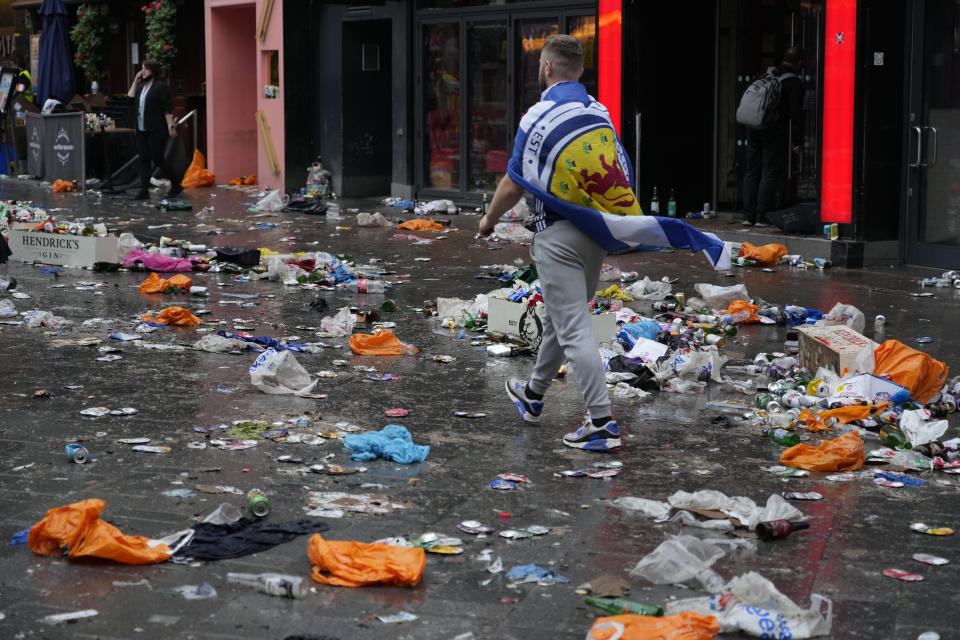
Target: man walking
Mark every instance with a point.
(769, 149)
(568, 261)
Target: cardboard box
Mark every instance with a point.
(832, 347)
(515, 319)
(869, 387)
(67, 250)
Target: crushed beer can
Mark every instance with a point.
(802, 495)
(921, 527)
(78, 453)
(900, 574)
(927, 558)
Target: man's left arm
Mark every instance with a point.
(508, 193)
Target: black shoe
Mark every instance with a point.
(175, 190)
(141, 195)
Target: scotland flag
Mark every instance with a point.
(568, 156)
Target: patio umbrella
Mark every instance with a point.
(55, 71)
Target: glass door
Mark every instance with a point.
(933, 152)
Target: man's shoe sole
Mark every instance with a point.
(603, 444)
(518, 403)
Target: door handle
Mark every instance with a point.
(918, 160)
(933, 144)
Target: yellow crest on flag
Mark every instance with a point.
(588, 174)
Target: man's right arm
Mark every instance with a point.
(508, 193)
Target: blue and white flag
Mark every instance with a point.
(568, 156)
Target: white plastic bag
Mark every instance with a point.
(218, 344)
(651, 508)
(452, 307)
(126, 243)
(512, 232)
(914, 425)
(519, 213)
(717, 297)
(340, 324)
(7, 309)
(279, 372)
(679, 559)
(740, 507)
(844, 314)
(648, 289)
(753, 605)
(273, 201)
(365, 219)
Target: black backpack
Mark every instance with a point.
(759, 106)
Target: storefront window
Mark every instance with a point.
(441, 100)
(487, 65)
(584, 29)
(531, 34)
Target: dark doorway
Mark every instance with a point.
(367, 108)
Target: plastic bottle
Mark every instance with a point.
(276, 584)
(655, 203)
(776, 529)
(364, 286)
(736, 318)
(783, 437)
(672, 204)
(617, 606)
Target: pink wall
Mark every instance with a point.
(236, 75)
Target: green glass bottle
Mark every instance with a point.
(892, 437)
(783, 437)
(617, 606)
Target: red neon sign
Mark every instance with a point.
(609, 57)
(839, 71)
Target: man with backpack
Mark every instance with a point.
(771, 109)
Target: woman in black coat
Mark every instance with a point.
(155, 125)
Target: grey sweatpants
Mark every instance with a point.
(568, 263)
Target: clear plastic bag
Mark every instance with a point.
(278, 372)
(340, 324)
(717, 297)
(273, 201)
(844, 314)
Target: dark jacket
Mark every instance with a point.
(791, 102)
(157, 105)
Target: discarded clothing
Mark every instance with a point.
(174, 315)
(243, 537)
(157, 261)
(156, 284)
(358, 564)
(392, 443)
(79, 527)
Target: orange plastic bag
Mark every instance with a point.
(682, 626)
(844, 453)
(381, 343)
(174, 315)
(768, 254)
(419, 224)
(743, 305)
(358, 564)
(61, 185)
(79, 526)
(244, 181)
(910, 368)
(196, 174)
(156, 284)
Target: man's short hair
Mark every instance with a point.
(566, 53)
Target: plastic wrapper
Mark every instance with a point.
(272, 202)
(126, 243)
(846, 315)
(678, 559)
(380, 343)
(659, 511)
(921, 374)
(376, 219)
(648, 289)
(918, 431)
(740, 507)
(78, 527)
(358, 564)
(156, 284)
(717, 297)
(340, 324)
(512, 232)
(844, 453)
(753, 605)
(219, 344)
(278, 372)
(419, 224)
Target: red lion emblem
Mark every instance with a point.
(599, 184)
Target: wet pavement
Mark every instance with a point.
(670, 444)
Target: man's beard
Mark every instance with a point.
(542, 80)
